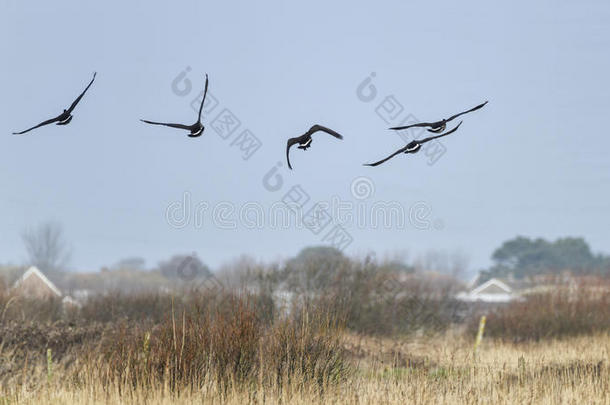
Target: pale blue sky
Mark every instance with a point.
(533, 162)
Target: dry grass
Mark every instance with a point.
(440, 370)
(224, 348)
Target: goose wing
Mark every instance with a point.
(47, 122)
(82, 94)
(318, 128)
(398, 152)
(205, 92)
(179, 126)
(419, 124)
(467, 111)
(289, 144)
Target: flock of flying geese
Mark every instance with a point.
(304, 141)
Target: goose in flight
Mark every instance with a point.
(197, 128)
(65, 117)
(413, 146)
(305, 140)
(439, 126)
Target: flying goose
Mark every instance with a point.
(197, 128)
(305, 140)
(65, 117)
(413, 146)
(439, 126)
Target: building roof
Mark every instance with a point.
(492, 282)
(493, 290)
(34, 272)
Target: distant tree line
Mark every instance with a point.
(522, 257)
(314, 269)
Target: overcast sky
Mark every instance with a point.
(533, 162)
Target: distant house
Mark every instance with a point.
(492, 291)
(34, 284)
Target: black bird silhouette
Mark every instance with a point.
(65, 117)
(197, 128)
(439, 126)
(413, 146)
(305, 140)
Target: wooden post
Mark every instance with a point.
(49, 365)
(477, 342)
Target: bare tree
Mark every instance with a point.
(46, 247)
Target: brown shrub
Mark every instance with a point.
(566, 311)
(17, 308)
(232, 347)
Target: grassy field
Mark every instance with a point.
(438, 370)
(341, 347)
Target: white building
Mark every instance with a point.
(492, 291)
(34, 284)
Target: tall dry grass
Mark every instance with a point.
(232, 347)
(442, 370)
(229, 345)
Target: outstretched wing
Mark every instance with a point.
(398, 152)
(82, 94)
(47, 122)
(204, 94)
(441, 135)
(419, 124)
(468, 111)
(179, 126)
(289, 144)
(317, 128)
